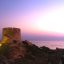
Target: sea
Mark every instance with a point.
(49, 44)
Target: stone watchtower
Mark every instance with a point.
(12, 34)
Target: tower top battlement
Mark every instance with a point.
(12, 33)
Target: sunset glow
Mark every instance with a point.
(37, 17)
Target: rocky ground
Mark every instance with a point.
(27, 53)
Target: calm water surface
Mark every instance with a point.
(50, 44)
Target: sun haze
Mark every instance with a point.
(33, 17)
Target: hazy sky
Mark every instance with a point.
(37, 19)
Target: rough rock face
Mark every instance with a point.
(17, 51)
(12, 33)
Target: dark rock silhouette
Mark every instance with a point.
(23, 53)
